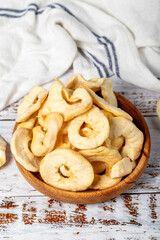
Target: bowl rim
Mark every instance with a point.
(96, 195)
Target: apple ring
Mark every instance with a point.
(99, 124)
(74, 164)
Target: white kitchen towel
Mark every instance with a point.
(43, 39)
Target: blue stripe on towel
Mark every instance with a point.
(108, 54)
(100, 63)
(18, 10)
(98, 70)
(96, 66)
(17, 16)
(114, 54)
(41, 11)
(113, 51)
(24, 11)
(66, 10)
(107, 51)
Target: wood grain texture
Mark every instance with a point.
(133, 217)
(144, 100)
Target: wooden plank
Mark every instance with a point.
(10, 112)
(15, 185)
(143, 99)
(133, 217)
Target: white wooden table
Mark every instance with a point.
(27, 214)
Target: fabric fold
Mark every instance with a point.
(42, 40)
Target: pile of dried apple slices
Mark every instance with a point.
(75, 138)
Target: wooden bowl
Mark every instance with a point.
(94, 196)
